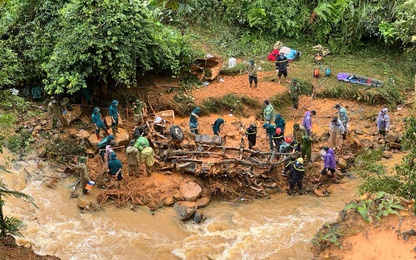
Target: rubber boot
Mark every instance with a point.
(98, 137)
(255, 85)
(251, 85)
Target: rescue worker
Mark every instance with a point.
(114, 116)
(83, 173)
(297, 176)
(147, 156)
(298, 132)
(307, 142)
(282, 64)
(141, 143)
(53, 111)
(294, 146)
(216, 127)
(138, 112)
(307, 121)
(336, 130)
(268, 112)
(278, 137)
(108, 151)
(285, 146)
(98, 123)
(193, 120)
(343, 116)
(251, 134)
(102, 145)
(114, 167)
(289, 163)
(280, 122)
(270, 130)
(251, 69)
(383, 123)
(329, 164)
(294, 93)
(133, 159)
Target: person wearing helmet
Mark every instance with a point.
(289, 164)
(114, 167)
(307, 142)
(336, 130)
(268, 112)
(193, 120)
(282, 64)
(147, 156)
(216, 127)
(138, 112)
(98, 123)
(278, 137)
(114, 116)
(102, 145)
(53, 111)
(383, 123)
(251, 69)
(307, 121)
(343, 116)
(83, 173)
(329, 165)
(133, 159)
(297, 176)
(270, 131)
(280, 122)
(294, 92)
(251, 135)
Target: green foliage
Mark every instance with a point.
(366, 162)
(20, 143)
(229, 102)
(328, 234)
(11, 225)
(63, 150)
(382, 205)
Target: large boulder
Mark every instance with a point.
(185, 209)
(202, 202)
(342, 163)
(391, 137)
(190, 191)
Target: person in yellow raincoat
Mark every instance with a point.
(147, 156)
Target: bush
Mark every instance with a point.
(229, 102)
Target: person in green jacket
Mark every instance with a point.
(307, 147)
(133, 159)
(294, 93)
(251, 69)
(268, 112)
(138, 112)
(270, 130)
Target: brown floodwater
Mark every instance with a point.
(281, 227)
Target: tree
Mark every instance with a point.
(11, 225)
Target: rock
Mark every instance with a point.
(202, 202)
(358, 132)
(367, 125)
(190, 191)
(271, 190)
(342, 163)
(324, 136)
(198, 216)
(168, 201)
(185, 209)
(315, 157)
(391, 137)
(82, 205)
(232, 134)
(386, 154)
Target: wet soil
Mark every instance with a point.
(10, 250)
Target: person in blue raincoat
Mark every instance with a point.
(114, 116)
(216, 127)
(114, 167)
(98, 123)
(383, 123)
(193, 120)
(343, 116)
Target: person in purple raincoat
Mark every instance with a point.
(307, 121)
(329, 164)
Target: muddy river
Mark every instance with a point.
(277, 228)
